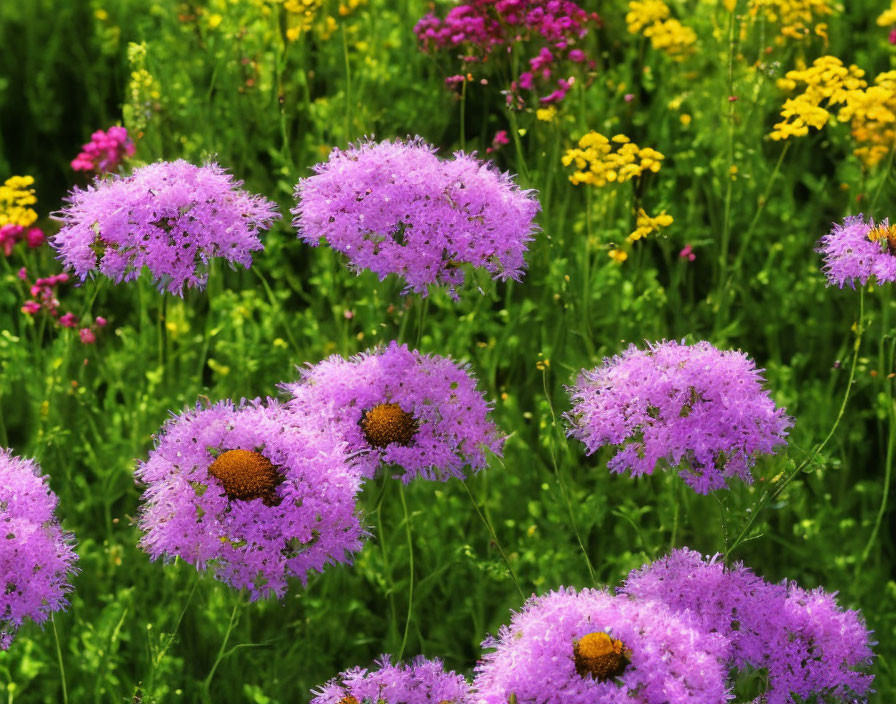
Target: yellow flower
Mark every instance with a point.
(794, 17)
(827, 82)
(646, 225)
(685, 119)
(872, 116)
(651, 19)
(618, 255)
(546, 114)
(597, 163)
(888, 17)
(16, 197)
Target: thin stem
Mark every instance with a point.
(572, 519)
(407, 530)
(772, 495)
(208, 680)
(348, 85)
(463, 103)
(883, 181)
(59, 658)
(157, 660)
(497, 542)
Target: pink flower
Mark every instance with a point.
(498, 141)
(35, 238)
(105, 151)
(23, 273)
(68, 320)
(31, 307)
(100, 321)
(86, 335)
(687, 253)
(9, 235)
(629, 97)
(576, 55)
(893, 36)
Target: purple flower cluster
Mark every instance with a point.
(396, 208)
(692, 406)
(590, 647)
(171, 217)
(483, 28)
(36, 556)
(259, 493)
(395, 406)
(858, 250)
(808, 645)
(105, 151)
(421, 682)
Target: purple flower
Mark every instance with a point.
(590, 647)
(399, 407)
(171, 217)
(37, 557)
(396, 208)
(808, 645)
(105, 151)
(260, 493)
(692, 406)
(422, 682)
(858, 250)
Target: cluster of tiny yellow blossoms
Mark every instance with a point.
(651, 18)
(797, 18)
(827, 82)
(872, 116)
(547, 114)
(645, 224)
(16, 199)
(870, 110)
(888, 17)
(300, 16)
(143, 91)
(598, 164)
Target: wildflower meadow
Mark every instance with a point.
(447, 351)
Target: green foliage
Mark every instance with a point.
(224, 79)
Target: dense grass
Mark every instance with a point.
(432, 578)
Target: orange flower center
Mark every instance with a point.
(600, 656)
(247, 475)
(386, 424)
(886, 234)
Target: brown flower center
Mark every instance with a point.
(886, 234)
(247, 475)
(600, 656)
(386, 424)
(348, 700)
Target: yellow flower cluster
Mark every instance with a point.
(547, 114)
(797, 18)
(827, 82)
(888, 17)
(598, 164)
(872, 117)
(16, 197)
(143, 91)
(645, 224)
(300, 16)
(870, 110)
(651, 18)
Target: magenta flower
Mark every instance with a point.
(393, 406)
(9, 235)
(105, 151)
(421, 682)
(37, 558)
(396, 208)
(691, 407)
(589, 647)
(858, 250)
(255, 492)
(545, 32)
(171, 217)
(810, 647)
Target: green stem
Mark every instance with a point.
(407, 530)
(772, 495)
(497, 542)
(59, 658)
(208, 680)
